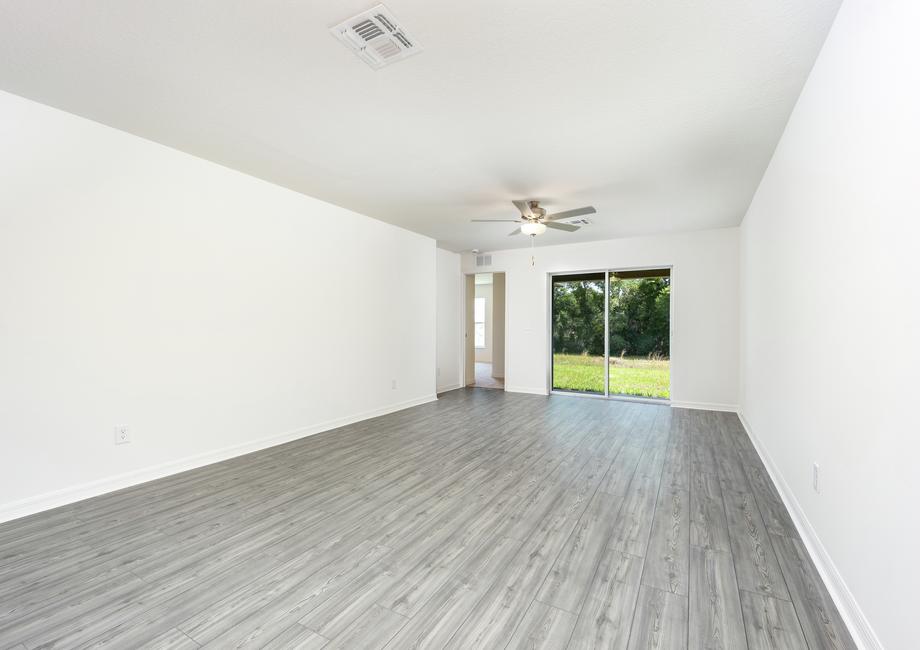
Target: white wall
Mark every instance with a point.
(484, 354)
(449, 321)
(498, 325)
(704, 341)
(205, 309)
(830, 314)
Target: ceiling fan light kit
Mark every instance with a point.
(533, 228)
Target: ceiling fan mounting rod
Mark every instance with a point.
(536, 211)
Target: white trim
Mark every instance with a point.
(449, 387)
(853, 616)
(461, 344)
(32, 505)
(548, 309)
(705, 406)
(525, 389)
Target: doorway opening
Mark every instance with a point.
(485, 338)
(611, 333)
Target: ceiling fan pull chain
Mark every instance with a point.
(532, 243)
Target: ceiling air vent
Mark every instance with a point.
(376, 37)
(483, 260)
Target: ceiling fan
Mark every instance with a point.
(534, 220)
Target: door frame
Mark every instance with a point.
(549, 333)
(469, 350)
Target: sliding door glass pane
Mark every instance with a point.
(640, 326)
(578, 333)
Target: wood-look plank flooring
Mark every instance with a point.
(482, 520)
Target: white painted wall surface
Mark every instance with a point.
(704, 341)
(209, 311)
(484, 354)
(830, 312)
(449, 321)
(498, 325)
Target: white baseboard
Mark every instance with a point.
(525, 389)
(705, 406)
(449, 387)
(853, 616)
(32, 505)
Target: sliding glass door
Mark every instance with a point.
(578, 333)
(640, 333)
(611, 333)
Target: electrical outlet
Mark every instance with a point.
(122, 435)
(814, 477)
(394, 385)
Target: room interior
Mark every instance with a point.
(488, 332)
(249, 397)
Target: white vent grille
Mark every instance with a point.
(376, 37)
(483, 260)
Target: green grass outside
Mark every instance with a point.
(635, 376)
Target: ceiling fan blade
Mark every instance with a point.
(516, 231)
(568, 214)
(495, 220)
(524, 208)
(561, 226)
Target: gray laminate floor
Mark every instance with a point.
(483, 520)
(484, 378)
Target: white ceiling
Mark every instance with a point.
(662, 114)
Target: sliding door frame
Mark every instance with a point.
(607, 334)
(549, 329)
